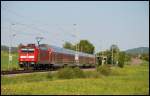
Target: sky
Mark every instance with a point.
(103, 23)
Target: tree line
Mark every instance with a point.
(114, 55)
(83, 46)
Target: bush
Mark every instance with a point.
(49, 75)
(14, 69)
(105, 69)
(121, 64)
(121, 59)
(145, 57)
(78, 73)
(69, 73)
(65, 73)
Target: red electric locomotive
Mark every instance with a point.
(28, 55)
(47, 56)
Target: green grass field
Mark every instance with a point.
(130, 80)
(5, 63)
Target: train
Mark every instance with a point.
(48, 56)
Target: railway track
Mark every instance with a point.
(30, 71)
(21, 71)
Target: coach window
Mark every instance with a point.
(31, 50)
(43, 48)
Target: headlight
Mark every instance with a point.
(32, 62)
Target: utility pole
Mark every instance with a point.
(10, 56)
(63, 51)
(76, 55)
(112, 55)
(117, 58)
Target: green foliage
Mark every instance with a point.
(93, 74)
(83, 46)
(106, 53)
(86, 46)
(121, 59)
(127, 57)
(115, 50)
(145, 57)
(129, 80)
(49, 75)
(15, 68)
(109, 60)
(105, 69)
(5, 63)
(65, 73)
(68, 45)
(78, 72)
(69, 73)
(26, 78)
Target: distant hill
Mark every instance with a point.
(6, 48)
(138, 50)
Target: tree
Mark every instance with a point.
(68, 45)
(4, 48)
(85, 46)
(145, 56)
(121, 59)
(127, 57)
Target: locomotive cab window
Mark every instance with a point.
(44, 48)
(30, 50)
(27, 50)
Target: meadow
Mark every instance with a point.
(130, 80)
(5, 61)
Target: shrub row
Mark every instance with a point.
(70, 73)
(105, 70)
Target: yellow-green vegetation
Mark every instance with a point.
(105, 70)
(5, 63)
(70, 73)
(130, 80)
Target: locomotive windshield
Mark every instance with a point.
(27, 50)
(43, 48)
